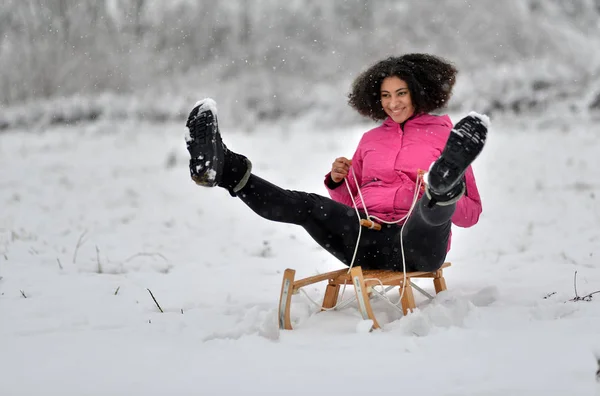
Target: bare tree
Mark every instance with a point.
(272, 48)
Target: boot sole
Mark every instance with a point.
(464, 145)
(205, 146)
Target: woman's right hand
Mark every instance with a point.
(340, 168)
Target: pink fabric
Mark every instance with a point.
(386, 163)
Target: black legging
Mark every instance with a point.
(334, 226)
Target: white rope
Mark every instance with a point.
(387, 300)
(355, 249)
(382, 294)
(369, 217)
(357, 215)
(342, 303)
(412, 206)
(321, 306)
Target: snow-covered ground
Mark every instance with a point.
(94, 216)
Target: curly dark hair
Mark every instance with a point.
(430, 80)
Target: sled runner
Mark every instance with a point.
(363, 281)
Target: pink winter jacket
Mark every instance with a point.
(386, 163)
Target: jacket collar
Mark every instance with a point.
(418, 120)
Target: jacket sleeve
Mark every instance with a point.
(340, 192)
(468, 208)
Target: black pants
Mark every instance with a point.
(334, 226)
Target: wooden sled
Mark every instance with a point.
(362, 281)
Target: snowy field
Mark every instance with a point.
(94, 216)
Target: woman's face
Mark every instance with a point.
(396, 100)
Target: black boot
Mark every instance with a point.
(236, 172)
(211, 163)
(449, 198)
(445, 181)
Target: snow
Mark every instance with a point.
(94, 216)
(207, 104)
(485, 120)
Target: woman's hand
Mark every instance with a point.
(340, 168)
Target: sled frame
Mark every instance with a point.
(362, 281)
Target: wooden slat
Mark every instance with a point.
(439, 284)
(389, 277)
(362, 296)
(408, 299)
(318, 278)
(385, 282)
(331, 296)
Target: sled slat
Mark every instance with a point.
(318, 278)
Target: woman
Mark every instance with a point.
(381, 181)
